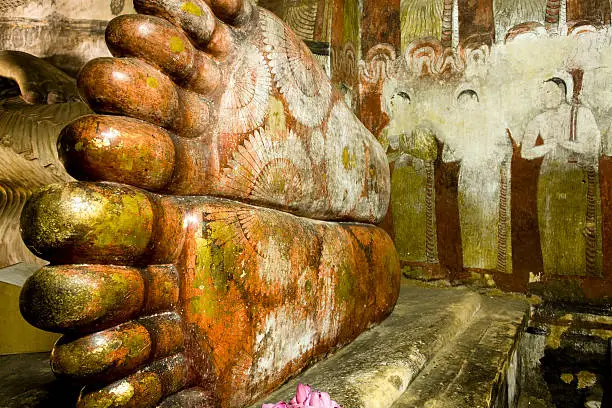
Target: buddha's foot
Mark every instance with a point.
(180, 300)
(214, 300)
(224, 100)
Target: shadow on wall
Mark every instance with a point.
(501, 159)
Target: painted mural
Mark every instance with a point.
(496, 116)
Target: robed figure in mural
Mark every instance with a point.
(569, 212)
(413, 152)
(484, 151)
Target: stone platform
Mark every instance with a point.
(441, 347)
(26, 381)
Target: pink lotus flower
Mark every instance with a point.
(305, 397)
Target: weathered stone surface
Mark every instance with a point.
(26, 381)
(478, 368)
(447, 346)
(533, 389)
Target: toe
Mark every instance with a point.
(196, 20)
(101, 296)
(142, 389)
(163, 45)
(222, 42)
(197, 17)
(194, 17)
(131, 87)
(119, 149)
(113, 353)
(234, 12)
(88, 223)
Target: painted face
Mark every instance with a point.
(552, 95)
(467, 101)
(399, 102)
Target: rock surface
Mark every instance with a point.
(439, 348)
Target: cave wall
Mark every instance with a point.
(459, 98)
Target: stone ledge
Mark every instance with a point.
(478, 368)
(439, 348)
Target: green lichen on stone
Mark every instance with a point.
(121, 222)
(554, 337)
(121, 393)
(152, 82)
(177, 45)
(345, 285)
(586, 379)
(276, 122)
(205, 303)
(116, 287)
(216, 261)
(349, 160)
(308, 286)
(191, 8)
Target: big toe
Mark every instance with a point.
(88, 223)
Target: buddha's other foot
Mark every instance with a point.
(211, 293)
(39, 81)
(239, 108)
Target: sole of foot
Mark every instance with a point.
(155, 294)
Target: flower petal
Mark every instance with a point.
(326, 400)
(303, 391)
